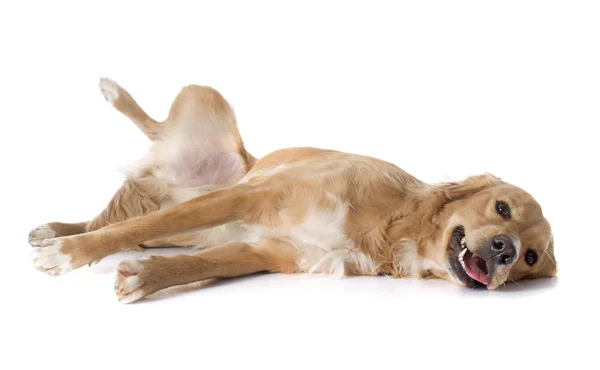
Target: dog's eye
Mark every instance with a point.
(503, 209)
(531, 257)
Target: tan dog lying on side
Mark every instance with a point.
(295, 210)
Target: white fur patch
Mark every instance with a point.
(110, 90)
(40, 234)
(408, 262)
(50, 259)
(517, 244)
(128, 288)
(321, 241)
(405, 259)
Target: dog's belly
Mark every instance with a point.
(320, 240)
(319, 236)
(193, 169)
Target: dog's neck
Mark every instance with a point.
(420, 229)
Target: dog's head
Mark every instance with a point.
(495, 233)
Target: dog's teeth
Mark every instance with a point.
(463, 241)
(462, 254)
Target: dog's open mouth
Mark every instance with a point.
(468, 266)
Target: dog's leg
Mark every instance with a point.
(197, 104)
(137, 279)
(60, 255)
(129, 201)
(219, 160)
(194, 105)
(54, 230)
(124, 103)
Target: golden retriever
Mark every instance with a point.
(295, 210)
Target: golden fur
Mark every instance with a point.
(295, 210)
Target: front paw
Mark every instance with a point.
(129, 284)
(40, 234)
(51, 259)
(60, 255)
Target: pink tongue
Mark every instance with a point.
(476, 268)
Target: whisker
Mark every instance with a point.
(515, 283)
(550, 257)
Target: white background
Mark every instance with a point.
(442, 89)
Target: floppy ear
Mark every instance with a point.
(448, 192)
(452, 191)
(548, 266)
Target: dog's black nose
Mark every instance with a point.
(502, 250)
